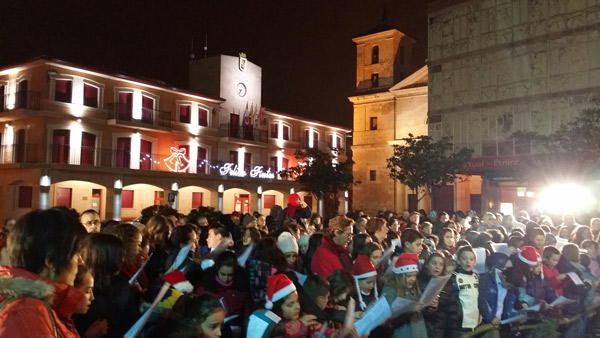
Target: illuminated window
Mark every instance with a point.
(90, 95)
(63, 90)
(185, 113)
(202, 117)
(285, 131)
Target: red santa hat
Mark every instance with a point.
(407, 262)
(363, 268)
(178, 281)
(528, 255)
(278, 287)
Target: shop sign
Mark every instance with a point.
(231, 169)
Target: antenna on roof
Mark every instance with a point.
(192, 50)
(205, 45)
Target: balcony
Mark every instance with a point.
(243, 132)
(20, 100)
(20, 153)
(123, 113)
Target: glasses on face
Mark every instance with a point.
(94, 222)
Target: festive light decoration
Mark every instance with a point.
(177, 162)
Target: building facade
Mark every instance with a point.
(88, 139)
(496, 67)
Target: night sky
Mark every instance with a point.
(304, 47)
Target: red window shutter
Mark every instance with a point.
(60, 145)
(90, 96)
(185, 113)
(247, 162)
(202, 117)
(187, 156)
(273, 164)
(63, 197)
(305, 138)
(127, 199)
(25, 195)
(330, 140)
(315, 140)
(2, 97)
(200, 165)
(88, 148)
(286, 133)
(63, 90)
(274, 130)
(125, 106)
(233, 157)
(123, 152)
(196, 199)
(147, 109)
(284, 163)
(268, 201)
(145, 155)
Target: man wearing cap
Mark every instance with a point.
(333, 253)
(232, 223)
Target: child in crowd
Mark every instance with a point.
(374, 251)
(499, 295)
(592, 250)
(314, 296)
(537, 239)
(435, 317)
(84, 282)
(447, 240)
(426, 229)
(466, 307)
(289, 246)
(551, 258)
(412, 241)
(537, 288)
(514, 243)
(365, 278)
(403, 283)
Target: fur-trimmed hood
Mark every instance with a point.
(16, 282)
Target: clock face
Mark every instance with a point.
(241, 89)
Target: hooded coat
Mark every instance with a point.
(39, 307)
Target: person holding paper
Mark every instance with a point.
(537, 288)
(569, 263)
(434, 316)
(365, 279)
(550, 260)
(403, 283)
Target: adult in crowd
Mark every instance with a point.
(333, 253)
(36, 291)
(91, 220)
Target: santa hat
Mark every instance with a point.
(278, 287)
(407, 262)
(363, 268)
(287, 243)
(178, 281)
(528, 255)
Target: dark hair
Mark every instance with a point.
(432, 256)
(45, 235)
(314, 242)
(157, 230)
(435, 239)
(571, 252)
(219, 229)
(577, 234)
(226, 258)
(442, 234)
(82, 270)
(410, 235)
(370, 248)
(585, 260)
(103, 256)
(181, 235)
(463, 249)
(196, 308)
(549, 251)
(316, 286)
(126, 232)
(483, 238)
(516, 241)
(373, 225)
(358, 244)
(89, 211)
(589, 243)
(71, 212)
(266, 250)
(254, 234)
(340, 281)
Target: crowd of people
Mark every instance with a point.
(294, 274)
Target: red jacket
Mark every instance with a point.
(27, 316)
(551, 274)
(330, 257)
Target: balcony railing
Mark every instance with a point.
(151, 117)
(243, 132)
(20, 153)
(20, 100)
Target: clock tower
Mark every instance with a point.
(232, 78)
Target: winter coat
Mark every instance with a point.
(537, 290)
(552, 275)
(330, 257)
(41, 308)
(435, 318)
(259, 271)
(118, 305)
(488, 288)
(454, 310)
(235, 297)
(296, 329)
(409, 325)
(577, 293)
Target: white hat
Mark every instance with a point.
(287, 243)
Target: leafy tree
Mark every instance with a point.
(570, 151)
(424, 163)
(319, 175)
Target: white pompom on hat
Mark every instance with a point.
(278, 287)
(178, 281)
(528, 255)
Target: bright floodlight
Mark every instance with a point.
(562, 198)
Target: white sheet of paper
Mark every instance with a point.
(245, 255)
(434, 287)
(576, 280)
(183, 252)
(386, 255)
(301, 277)
(560, 242)
(513, 319)
(534, 308)
(376, 315)
(401, 305)
(480, 265)
(562, 301)
(501, 247)
(137, 274)
(139, 324)
(225, 243)
(349, 319)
